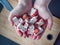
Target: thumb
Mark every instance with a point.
(50, 23)
(10, 18)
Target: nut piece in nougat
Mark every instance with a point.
(38, 31)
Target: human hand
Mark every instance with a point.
(44, 12)
(22, 7)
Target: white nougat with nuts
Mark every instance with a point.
(26, 25)
(41, 22)
(31, 28)
(21, 27)
(33, 20)
(32, 11)
(21, 20)
(15, 20)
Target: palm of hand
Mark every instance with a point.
(25, 8)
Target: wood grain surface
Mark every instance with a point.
(8, 31)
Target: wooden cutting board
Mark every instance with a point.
(8, 31)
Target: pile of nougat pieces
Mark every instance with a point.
(31, 22)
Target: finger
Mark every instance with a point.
(30, 36)
(34, 37)
(24, 35)
(50, 23)
(15, 27)
(19, 33)
(45, 25)
(10, 18)
(38, 37)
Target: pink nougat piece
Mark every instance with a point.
(15, 20)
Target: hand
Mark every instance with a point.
(42, 6)
(22, 7)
